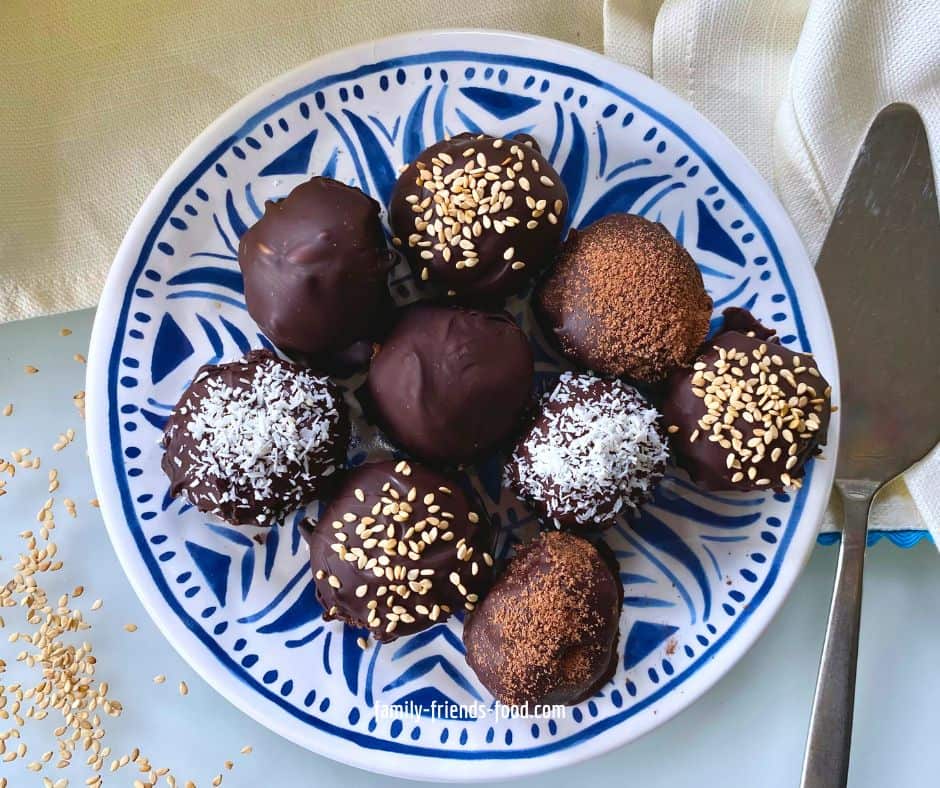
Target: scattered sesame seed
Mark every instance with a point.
(8, 410)
(79, 358)
(184, 688)
(130, 627)
(159, 679)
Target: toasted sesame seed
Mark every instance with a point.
(130, 627)
(183, 688)
(518, 265)
(8, 409)
(31, 370)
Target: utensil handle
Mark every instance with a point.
(826, 763)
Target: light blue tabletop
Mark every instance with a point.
(748, 731)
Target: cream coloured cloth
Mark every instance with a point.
(795, 84)
(98, 97)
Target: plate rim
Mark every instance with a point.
(193, 652)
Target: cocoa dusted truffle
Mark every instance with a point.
(597, 450)
(749, 413)
(547, 631)
(316, 268)
(399, 549)
(252, 440)
(625, 299)
(479, 215)
(448, 383)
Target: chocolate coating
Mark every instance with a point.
(595, 451)
(783, 394)
(252, 440)
(316, 274)
(448, 383)
(547, 631)
(479, 215)
(399, 549)
(625, 299)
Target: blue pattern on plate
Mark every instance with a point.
(678, 571)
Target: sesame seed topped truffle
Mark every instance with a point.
(596, 451)
(547, 632)
(316, 274)
(448, 383)
(252, 440)
(400, 548)
(749, 413)
(625, 299)
(479, 215)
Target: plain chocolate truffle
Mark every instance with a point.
(625, 299)
(749, 413)
(547, 631)
(595, 451)
(252, 440)
(316, 268)
(478, 216)
(449, 383)
(400, 548)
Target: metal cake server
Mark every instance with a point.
(880, 272)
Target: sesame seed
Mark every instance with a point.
(183, 688)
(518, 265)
(159, 679)
(362, 643)
(8, 410)
(130, 627)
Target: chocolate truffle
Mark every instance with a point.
(597, 450)
(449, 383)
(479, 215)
(749, 413)
(316, 274)
(252, 440)
(547, 631)
(399, 549)
(625, 299)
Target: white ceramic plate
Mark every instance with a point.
(703, 574)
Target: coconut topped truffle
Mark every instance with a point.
(479, 215)
(449, 384)
(625, 299)
(547, 631)
(400, 548)
(749, 413)
(596, 451)
(316, 268)
(254, 439)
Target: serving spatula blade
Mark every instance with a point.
(880, 272)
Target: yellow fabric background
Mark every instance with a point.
(98, 97)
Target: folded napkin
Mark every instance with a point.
(795, 84)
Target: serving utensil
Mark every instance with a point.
(880, 272)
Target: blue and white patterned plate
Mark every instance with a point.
(703, 573)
